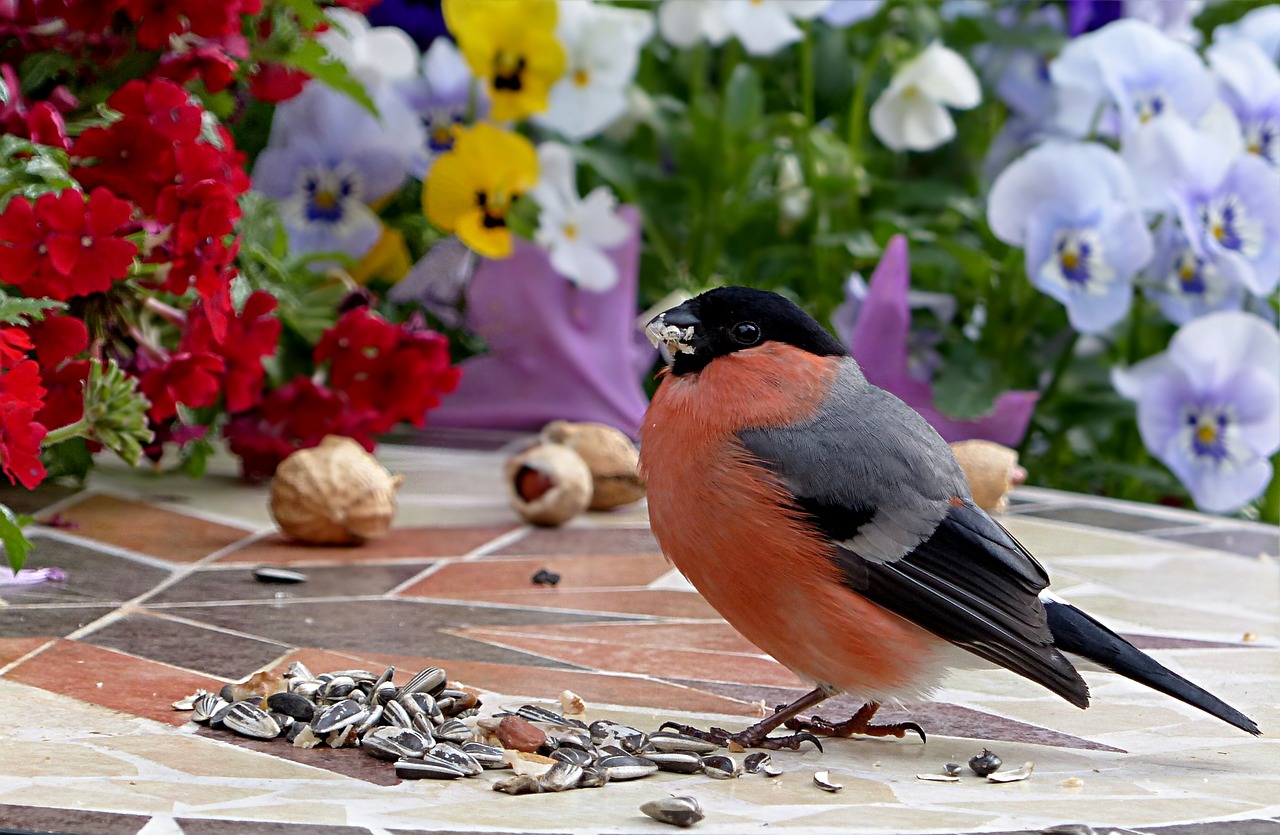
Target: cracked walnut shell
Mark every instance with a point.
(333, 494)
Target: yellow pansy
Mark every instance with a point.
(388, 259)
(470, 189)
(512, 45)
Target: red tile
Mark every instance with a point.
(714, 636)
(594, 688)
(112, 679)
(148, 529)
(669, 662)
(660, 602)
(463, 579)
(11, 649)
(559, 541)
(400, 543)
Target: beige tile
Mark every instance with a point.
(41, 759)
(1048, 539)
(200, 757)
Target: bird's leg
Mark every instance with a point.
(757, 736)
(859, 723)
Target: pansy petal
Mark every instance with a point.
(843, 13)
(585, 265)
(1213, 347)
(1069, 180)
(911, 123)
(600, 224)
(1256, 391)
(555, 190)
(763, 26)
(1223, 492)
(946, 77)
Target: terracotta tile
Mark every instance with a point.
(184, 645)
(148, 529)
(713, 636)
(462, 579)
(672, 604)
(346, 761)
(11, 649)
(400, 543)
(560, 541)
(112, 679)
(238, 583)
(647, 660)
(594, 688)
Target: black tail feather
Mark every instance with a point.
(1076, 632)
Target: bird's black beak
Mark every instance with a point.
(673, 331)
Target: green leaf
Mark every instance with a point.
(308, 13)
(195, 457)
(743, 100)
(70, 458)
(968, 384)
(16, 544)
(116, 411)
(613, 167)
(20, 311)
(312, 58)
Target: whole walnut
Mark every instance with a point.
(333, 494)
(613, 460)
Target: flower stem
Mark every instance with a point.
(169, 313)
(79, 429)
(857, 120)
(806, 75)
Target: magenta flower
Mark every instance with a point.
(556, 351)
(879, 343)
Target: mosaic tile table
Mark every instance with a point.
(160, 600)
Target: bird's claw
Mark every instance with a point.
(746, 738)
(825, 727)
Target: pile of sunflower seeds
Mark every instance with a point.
(431, 731)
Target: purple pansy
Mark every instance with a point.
(1184, 283)
(1018, 74)
(555, 350)
(923, 360)
(1173, 17)
(1227, 202)
(328, 158)
(29, 576)
(879, 342)
(1072, 206)
(422, 20)
(1249, 83)
(1125, 74)
(1209, 407)
(444, 97)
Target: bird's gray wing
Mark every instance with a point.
(875, 478)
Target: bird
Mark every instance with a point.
(831, 525)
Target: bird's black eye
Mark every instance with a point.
(746, 333)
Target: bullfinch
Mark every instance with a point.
(831, 525)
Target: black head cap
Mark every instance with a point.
(728, 319)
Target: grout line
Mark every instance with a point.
(80, 541)
(54, 508)
(270, 601)
(221, 629)
(499, 541)
(395, 590)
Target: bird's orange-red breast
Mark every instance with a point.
(732, 529)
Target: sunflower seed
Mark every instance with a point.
(720, 767)
(561, 777)
(1012, 776)
(394, 744)
(677, 811)
(626, 767)
(251, 721)
(426, 770)
(291, 704)
(680, 762)
(671, 741)
(338, 716)
(823, 781)
(275, 574)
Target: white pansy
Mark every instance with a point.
(766, 26)
(375, 55)
(602, 51)
(576, 231)
(911, 115)
(843, 13)
(684, 23)
(1262, 26)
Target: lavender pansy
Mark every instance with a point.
(1125, 74)
(879, 341)
(1186, 284)
(923, 360)
(328, 158)
(555, 350)
(439, 281)
(1262, 26)
(1173, 17)
(1072, 206)
(843, 13)
(444, 97)
(1209, 407)
(1227, 202)
(1249, 83)
(1018, 74)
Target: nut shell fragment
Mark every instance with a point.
(333, 494)
(992, 470)
(548, 484)
(610, 455)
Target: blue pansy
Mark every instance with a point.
(1186, 284)
(1226, 202)
(328, 158)
(444, 97)
(1249, 83)
(1072, 206)
(1126, 74)
(1209, 407)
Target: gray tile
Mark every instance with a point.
(183, 645)
(44, 819)
(1099, 517)
(29, 502)
(1247, 541)
(1249, 827)
(93, 576)
(212, 826)
(19, 622)
(400, 627)
(356, 579)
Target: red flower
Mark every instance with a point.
(14, 346)
(295, 416)
(20, 438)
(209, 62)
(274, 83)
(57, 338)
(64, 246)
(64, 401)
(370, 360)
(249, 337)
(41, 122)
(189, 379)
(159, 19)
(202, 216)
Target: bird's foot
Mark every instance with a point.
(859, 723)
(755, 736)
